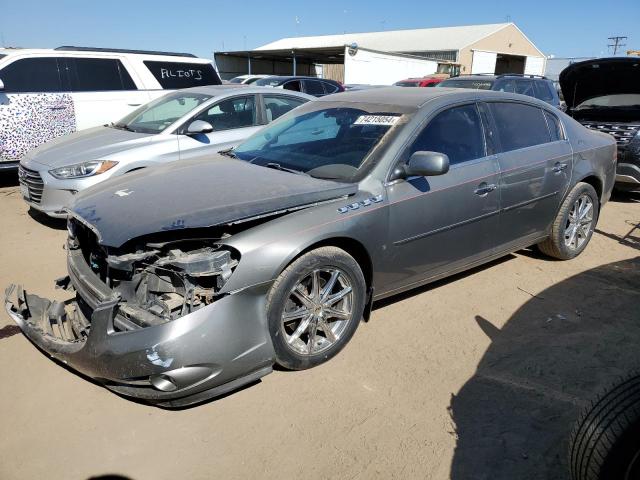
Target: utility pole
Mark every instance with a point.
(617, 43)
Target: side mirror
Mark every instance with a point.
(199, 126)
(423, 164)
(1, 86)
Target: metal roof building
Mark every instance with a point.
(492, 48)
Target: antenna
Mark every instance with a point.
(617, 43)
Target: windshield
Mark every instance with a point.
(623, 100)
(330, 143)
(237, 80)
(156, 116)
(469, 83)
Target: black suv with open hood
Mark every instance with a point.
(604, 95)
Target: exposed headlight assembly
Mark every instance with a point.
(81, 170)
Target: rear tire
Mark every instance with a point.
(605, 444)
(573, 226)
(314, 307)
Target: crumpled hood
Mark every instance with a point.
(595, 78)
(91, 144)
(202, 192)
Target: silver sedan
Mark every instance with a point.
(177, 126)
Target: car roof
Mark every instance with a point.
(297, 77)
(233, 88)
(491, 76)
(417, 97)
(82, 51)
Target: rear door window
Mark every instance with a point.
(329, 88)
(172, 75)
(238, 112)
(555, 129)
(293, 85)
(519, 125)
(456, 132)
(525, 87)
(543, 91)
(98, 74)
(505, 85)
(313, 87)
(276, 106)
(38, 75)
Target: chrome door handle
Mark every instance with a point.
(485, 188)
(134, 104)
(559, 167)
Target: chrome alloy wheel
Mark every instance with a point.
(317, 311)
(579, 223)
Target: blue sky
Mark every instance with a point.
(562, 28)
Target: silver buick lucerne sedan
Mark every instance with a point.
(177, 126)
(194, 278)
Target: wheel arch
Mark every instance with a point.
(354, 248)
(595, 181)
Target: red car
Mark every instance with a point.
(419, 82)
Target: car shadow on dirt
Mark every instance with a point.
(46, 220)
(514, 416)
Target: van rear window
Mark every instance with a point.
(172, 75)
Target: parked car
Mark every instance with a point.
(419, 82)
(193, 278)
(177, 126)
(247, 79)
(318, 87)
(45, 94)
(604, 95)
(531, 85)
(614, 452)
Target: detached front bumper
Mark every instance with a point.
(199, 356)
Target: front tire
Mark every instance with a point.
(314, 307)
(574, 224)
(605, 444)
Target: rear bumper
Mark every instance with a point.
(201, 355)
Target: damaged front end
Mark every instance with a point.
(151, 320)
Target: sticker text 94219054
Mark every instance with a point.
(377, 120)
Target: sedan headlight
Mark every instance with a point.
(80, 170)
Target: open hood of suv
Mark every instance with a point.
(197, 193)
(603, 76)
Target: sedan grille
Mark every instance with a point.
(33, 182)
(622, 132)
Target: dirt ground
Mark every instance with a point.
(479, 376)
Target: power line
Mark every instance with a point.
(617, 43)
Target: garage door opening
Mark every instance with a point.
(509, 64)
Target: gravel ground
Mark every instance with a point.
(478, 376)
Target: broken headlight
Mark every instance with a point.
(159, 285)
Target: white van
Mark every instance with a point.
(48, 93)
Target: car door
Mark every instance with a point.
(440, 224)
(535, 164)
(35, 105)
(102, 90)
(233, 120)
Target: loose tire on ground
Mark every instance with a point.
(555, 246)
(605, 443)
(282, 297)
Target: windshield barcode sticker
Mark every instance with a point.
(377, 120)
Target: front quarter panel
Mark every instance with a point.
(267, 249)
